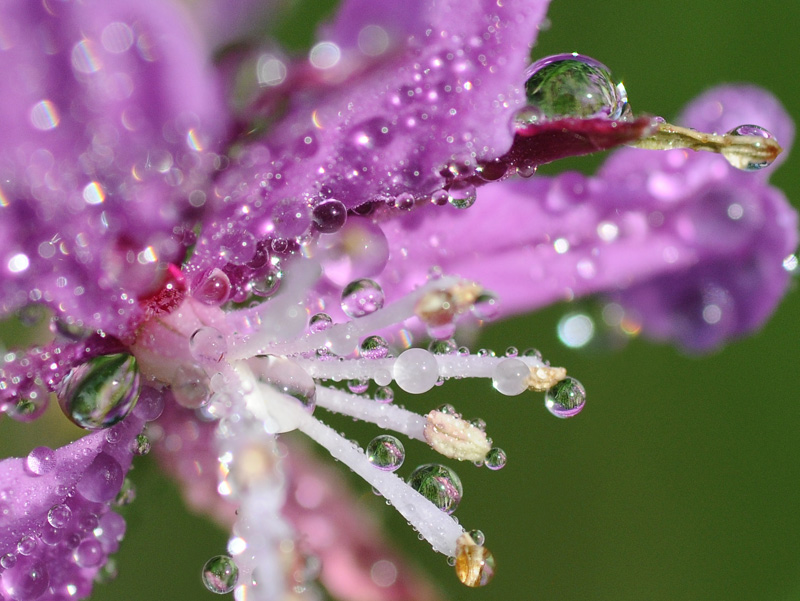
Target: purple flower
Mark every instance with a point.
(214, 271)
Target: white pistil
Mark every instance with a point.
(435, 526)
(384, 415)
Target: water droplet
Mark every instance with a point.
(384, 394)
(288, 378)
(190, 386)
(32, 400)
(26, 545)
(510, 377)
(386, 452)
(40, 461)
(566, 398)
(374, 347)
(237, 247)
(100, 392)
(462, 195)
(571, 85)
(495, 459)
(150, 405)
(741, 161)
(89, 554)
(125, 496)
(486, 307)
(329, 216)
(440, 198)
(59, 515)
(102, 479)
(269, 283)
(319, 322)
(443, 347)
(448, 409)
(213, 289)
(362, 297)
(27, 580)
(415, 371)
(8, 561)
(140, 445)
(357, 386)
(208, 345)
(220, 574)
(478, 423)
(439, 484)
(360, 249)
(478, 536)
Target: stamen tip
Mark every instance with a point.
(454, 437)
(543, 378)
(475, 564)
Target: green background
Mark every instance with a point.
(679, 479)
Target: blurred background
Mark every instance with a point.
(679, 481)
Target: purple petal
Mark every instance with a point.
(695, 245)
(56, 530)
(107, 106)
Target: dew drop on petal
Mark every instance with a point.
(566, 399)
(26, 581)
(462, 195)
(31, 402)
(374, 347)
(40, 461)
(213, 289)
(495, 459)
(415, 371)
(102, 480)
(59, 515)
(386, 453)
(362, 297)
(140, 445)
(269, 283)
(510, 377)
(439, 484)
(208, 345)
(329, 215)
(220, 574)
(26, 545)
(571, 85)
(89, 554)
(100, 392)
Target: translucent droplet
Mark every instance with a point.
(329, 216)
(26, 545)
(362, 297)
(213, 289)
(32, 400)
(8, 561)
(447, 409)
(101, 392)
(220, 574)
(495, 459)
(510, 377)
(319, 322)
(462, 195)
(208, 345)
(140, 445)
(126, 494)
(237, 247)
(269, 283)
(478, 536)
(386, 452)
(59, 515)
(40, 461)
(384, 394)
(415, 371)
(566, 398)
(357, 386)
(741, 161)
(102, 480)
(374, 347)
(443, 347)
(571, 85)
(190, 386)
(439, 484)
(27, 581)
(486, 307)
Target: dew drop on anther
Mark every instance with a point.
(220, 574)
(101, 392)
(566, 398)
(742, 161)
(362, 297)
(439, 484)
(386, 452)
(495, 459)
(571, 86)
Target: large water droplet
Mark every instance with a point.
(362, 297)
(26, 581)
(102, 479)
(329, 216)
(571, 85)
(59, 515)
(214, 288)
(386, 452)
(190, 386)
(566, 398)
(439, 484)
(743, 162)
(208, 345)
(101, 392)
(462, 195)
(89, 554)
(510, 377)
(220, 574)
(416, 371)
(495, 459)
(32, 400)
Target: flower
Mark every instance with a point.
(119, 143)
